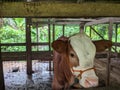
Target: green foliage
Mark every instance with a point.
(13, 31)
(71, 29)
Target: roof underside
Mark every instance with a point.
(68, 1)
(60, 8)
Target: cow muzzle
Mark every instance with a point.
(87, 78)
(88, 82)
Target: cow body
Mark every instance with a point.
(74, 58)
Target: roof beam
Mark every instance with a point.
(57, 9)
(104, 20)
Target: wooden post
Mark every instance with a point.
(37, 31)
(2, 85)
(90, 32)
(116, 31)
(110, 28)
(49, 35)
(53, 40)
(28, 47)
(63, 30)
(53, 32)
(82, 27)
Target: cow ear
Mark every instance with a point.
(59, 46)
(102, 45)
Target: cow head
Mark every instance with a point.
(80, 51)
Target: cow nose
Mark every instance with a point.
(90, 82)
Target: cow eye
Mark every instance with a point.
(71, 54)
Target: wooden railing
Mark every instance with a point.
(36, 55)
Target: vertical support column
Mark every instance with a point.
(110, 28)
(49, 35)
(37, 36)
(116, 31)
(28, 47)
(53, 32)
(90, 32)
(2, 85)
(82, 27)
(63, 30)
(53, 40)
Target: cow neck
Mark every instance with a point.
(82, 71)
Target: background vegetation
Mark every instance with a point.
(12, 30)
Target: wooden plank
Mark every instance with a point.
(13, 56)
(42, 55)
(35, 55)
(47, 9)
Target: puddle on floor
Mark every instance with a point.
(40, 80)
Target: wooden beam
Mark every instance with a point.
(35, 55)
(57, 9)
(55, 22)
(100, 21)
(104, 20)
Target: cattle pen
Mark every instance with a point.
(32, 68)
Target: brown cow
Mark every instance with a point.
(102, 45)
(74, 61)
